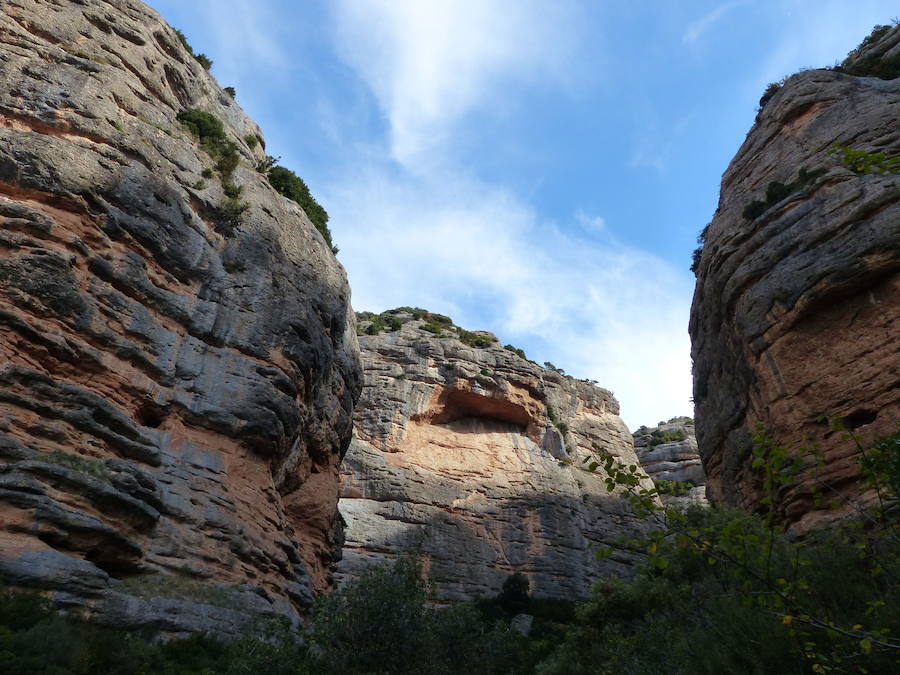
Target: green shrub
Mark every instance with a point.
(473, 339)
(205, 126)
(251, 140)
(432, 327)
(659, 437)
(863, 162)
(232, 191)
(770, 91)
(380, 623)
(674, 488)
(776, 192)
(518, 352)
(878, 65)
(35, 640)
(88, 465)
(204, 61)
(881, 463)
(513, 597)
(292, 186)
(230, 91)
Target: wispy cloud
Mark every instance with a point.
(697, 28)
(420, 228)
(588, 303)
(429, 63)
(244, 32)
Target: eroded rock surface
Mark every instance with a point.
(796, 314)
(175, 388)
(471, 457)
(668, 452)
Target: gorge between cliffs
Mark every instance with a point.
(211, 461)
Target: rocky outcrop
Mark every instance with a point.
(176, 375)
(668, 453)
(474, 458)
(796, 312)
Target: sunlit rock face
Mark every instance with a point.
(796, 313)
(175, 389)
(474, 459)
(668, 453)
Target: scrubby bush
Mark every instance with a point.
(33, 639)
(863, 162)
(202, 59)
(513, 597)
(473, 339)
(292, 186)
(380, 623)
(660, 436)
(770, 91)
(878, 64)
(776, 192)
(744, 597)
(230, 91)
(516, 351)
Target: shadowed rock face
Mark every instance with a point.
(674, 465)
(456, 459)
(796, 312)
(175, 392)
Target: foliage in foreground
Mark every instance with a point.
(720, 591)
(726, 591)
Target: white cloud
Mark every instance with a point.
(429, 233)
(590, 304)
(430, 62)
(697, 28)
(244, 33)
(590, 223)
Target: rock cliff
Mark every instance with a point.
(472, 457)
(796, 312)
(668, 453)
(177, 367)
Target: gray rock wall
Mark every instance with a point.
(175, 389)
(668, 453)
(796, 311)
(473, 459)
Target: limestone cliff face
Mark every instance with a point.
(175, 388)
(796, 313)
(668, 452)
(470, 458)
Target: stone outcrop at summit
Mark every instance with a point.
(176, 382)
(473, 458)
(796, 313)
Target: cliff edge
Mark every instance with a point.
(475, 459)
(178, 362)
(796, 311)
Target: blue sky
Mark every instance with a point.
(537, 168)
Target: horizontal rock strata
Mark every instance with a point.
(473, 459)
(668, 453)
(796, 314)
(175, 386)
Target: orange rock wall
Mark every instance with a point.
(796, 313)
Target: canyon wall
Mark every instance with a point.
(474, 459)
(668, 453)
(796, 313)
(176, 379)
